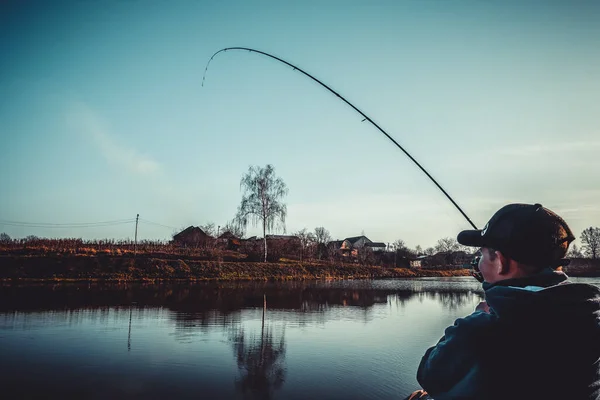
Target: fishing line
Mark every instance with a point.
(366, 118)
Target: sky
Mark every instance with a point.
(104, 116)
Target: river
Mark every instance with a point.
(322, 340)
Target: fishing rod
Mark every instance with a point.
(366, 118)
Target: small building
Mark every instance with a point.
(229, 241)
(353, 245)
(447, 260)
(416, 262)
(192, 236)
(355, 242)
(376, 246)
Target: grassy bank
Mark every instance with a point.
(108, 268)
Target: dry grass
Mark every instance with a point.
(56, 268)
(112, 248)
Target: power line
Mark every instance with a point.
(66, 225)
(71, 223)
(156, 223)
(80, 224)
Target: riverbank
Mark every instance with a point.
(143, 268)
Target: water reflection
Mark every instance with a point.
(179, 335)
(202, 305)
(129, 331)
(260, 360)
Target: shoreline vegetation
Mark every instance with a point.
(36, 268)
(55, 268)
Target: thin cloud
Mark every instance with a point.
(90, 124)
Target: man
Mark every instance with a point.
(537, 336)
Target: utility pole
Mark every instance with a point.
(136, 225)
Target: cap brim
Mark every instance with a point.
(470, 238)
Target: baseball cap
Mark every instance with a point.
(527, 233)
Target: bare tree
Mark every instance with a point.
(306, 239)
(322, 235)
(447, 244)
(401, 251)
(236, 229)
(574, 252)
(467, 249)
(262, 200)
(332, 251)
(209, 228)
(419, 250)
(429, 251)
(399, 244)
(322, 238)
(590, 238)
(4, 238)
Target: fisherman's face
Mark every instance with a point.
(490, 265)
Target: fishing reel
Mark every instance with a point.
(475, 272)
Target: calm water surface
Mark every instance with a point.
(327, 340)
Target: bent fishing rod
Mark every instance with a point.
(366, 118)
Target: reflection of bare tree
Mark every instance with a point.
(261, 361)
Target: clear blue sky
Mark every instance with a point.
(103, 115)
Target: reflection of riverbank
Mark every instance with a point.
(200, 302)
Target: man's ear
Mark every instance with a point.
(503, 264)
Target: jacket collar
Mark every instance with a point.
(545, 278)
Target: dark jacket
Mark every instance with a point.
(541, 340)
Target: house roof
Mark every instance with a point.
(188, 231)
(375, 244)
(227, 235)
(288, 237)
(355, 239)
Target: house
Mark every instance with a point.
(448, 260)
(355, 242)
(192, 236)
(227, 235)
(416, 262)
(229, 241)
(352, 245)
(461, 258)
(376, 246)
